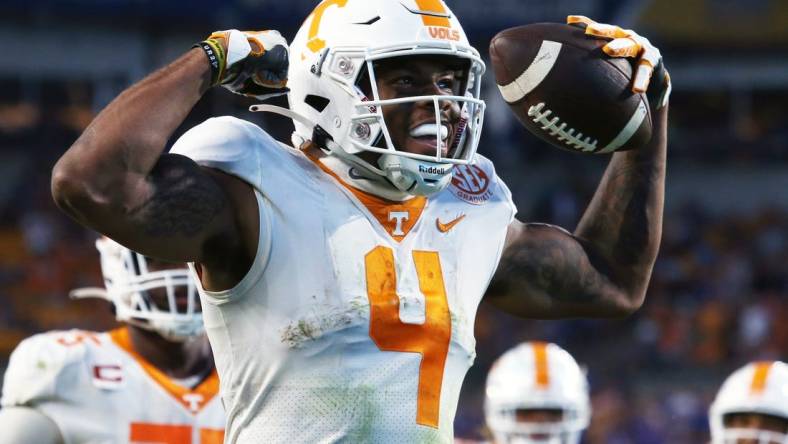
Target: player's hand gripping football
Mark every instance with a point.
(651, 76)
(251, 63)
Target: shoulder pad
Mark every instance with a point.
(40, 361)
(228, 144)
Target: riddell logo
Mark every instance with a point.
(442, 33)
(433, 170)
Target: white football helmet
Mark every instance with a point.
(127, 281)
(536, 375)
(337, 46)
(758, 387)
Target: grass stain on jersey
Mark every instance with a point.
(357, 411)
(364, 413)
(325, 320)
(353, 407)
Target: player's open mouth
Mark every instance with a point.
(425, 135)
(430, 130)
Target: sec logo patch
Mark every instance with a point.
(471, 184)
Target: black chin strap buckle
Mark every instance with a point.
(320, 137)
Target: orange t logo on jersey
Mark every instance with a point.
(194, 400)
(398, 217)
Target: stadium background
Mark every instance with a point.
(719, 294)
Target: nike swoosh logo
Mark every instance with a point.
(445, 228)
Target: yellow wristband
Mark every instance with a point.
(215, 53)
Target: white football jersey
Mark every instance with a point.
(355, 321)
(97, 389)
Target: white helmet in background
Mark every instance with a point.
(337, 46)
(536, 376)
(127, 281)
(759, 388)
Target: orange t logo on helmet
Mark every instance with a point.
(433, 13)
(436, 19)
(315, 43)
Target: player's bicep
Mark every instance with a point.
(545, 272)
(176, 212)
(27, 425)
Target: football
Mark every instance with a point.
(567, 91)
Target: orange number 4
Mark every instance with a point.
(430, 339)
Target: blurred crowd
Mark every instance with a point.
(717, 300)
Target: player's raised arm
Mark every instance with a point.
(604, 267)
(116, 180)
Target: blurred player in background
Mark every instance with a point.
(536, 394)
(340, 276)
(152, 380)
(752, 406)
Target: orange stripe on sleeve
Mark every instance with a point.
(160, 433)
(211, 436)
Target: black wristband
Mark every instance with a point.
(215, 53)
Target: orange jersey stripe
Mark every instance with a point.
(211, 436)
(160, 433)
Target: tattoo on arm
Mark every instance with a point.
(624, 219)
(603, 269)
(184, 200)
(552, 264)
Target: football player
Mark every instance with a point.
(536, 393)
(340, 275)
(152, 380)
(752, 406)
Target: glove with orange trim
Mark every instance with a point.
(651, 76)
(250, 63)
